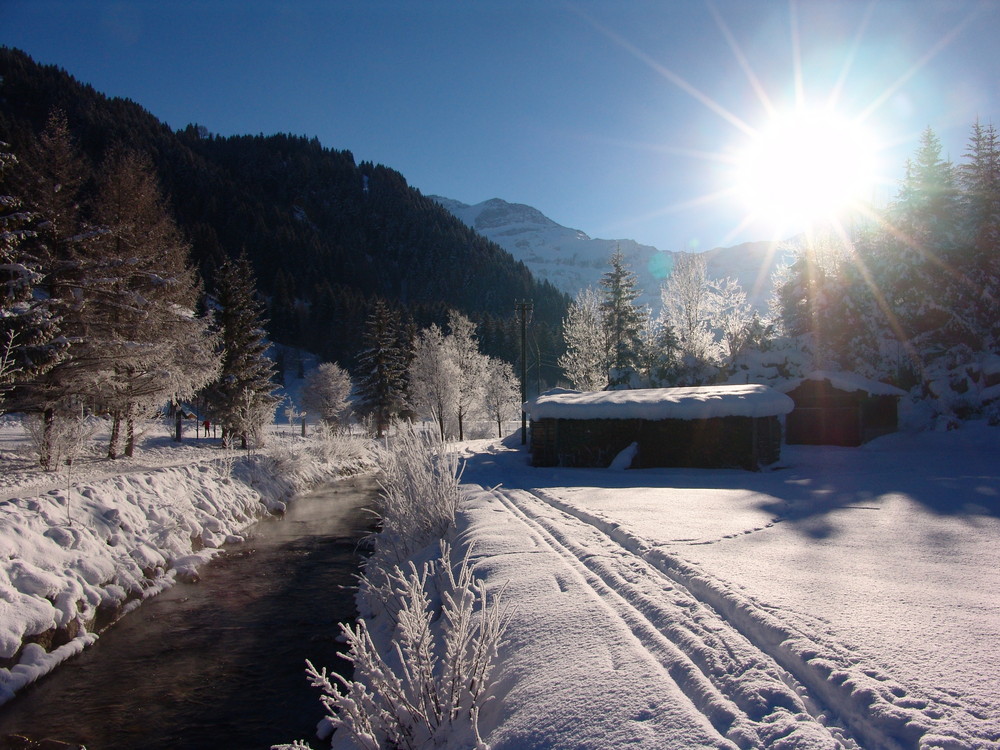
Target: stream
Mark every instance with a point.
(218, 663)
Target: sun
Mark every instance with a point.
(807, 167)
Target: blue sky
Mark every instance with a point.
(618, 118)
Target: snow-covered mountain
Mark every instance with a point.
(571, 260)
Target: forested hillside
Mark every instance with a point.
(327, 237)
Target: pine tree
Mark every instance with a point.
(29, 329)
(74, 283)
(161, 350)
(242, 399)
(979, 177)
(623, 319)
(383, 366)
(915, 270)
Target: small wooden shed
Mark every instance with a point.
(707, 427)
(838, 408)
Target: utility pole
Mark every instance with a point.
(523, 309)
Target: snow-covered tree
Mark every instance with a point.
(689, 306)
(586, 360)
(161, 350)
(29, 330)
(979, 178)
(658, 355)
(733, 317)
(469, 367)
(74, 283)
(326, 391)
(383, 366)
(242, 398)
(623, 319)
(501, 392)
(434, 377)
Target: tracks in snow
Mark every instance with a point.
(758, 680)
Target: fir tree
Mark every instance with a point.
(161, 350)
(623, 319)
(979, 177)
(29, 330)
(242, 399)
(383, 366)
(74, 282)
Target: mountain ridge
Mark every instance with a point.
(571, 260)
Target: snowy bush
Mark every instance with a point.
(416, 507)
(62, 440)
(428, 690)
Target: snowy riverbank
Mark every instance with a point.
(76, 551)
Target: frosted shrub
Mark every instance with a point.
(429, 692)
(338, 447)
(65, 438)
(420, 492)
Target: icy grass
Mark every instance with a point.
(423, 670)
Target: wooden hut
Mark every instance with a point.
(834, 408)
(709, 427)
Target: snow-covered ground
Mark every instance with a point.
(848, 597)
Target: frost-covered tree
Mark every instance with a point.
(326, 391)
(433, 377)
(586, 360)
(242, 397)
(463, 348)
(29, 331)
(623, 319)
(161, 349)
(658, 355)
(733, 317)
(501, 392)
(74, 284)
(979, 178)
(689, 307)
(383, 365)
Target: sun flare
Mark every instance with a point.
(807, 167)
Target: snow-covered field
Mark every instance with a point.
(848, 597)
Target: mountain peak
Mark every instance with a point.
(571, 261)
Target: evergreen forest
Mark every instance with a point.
(327, 238)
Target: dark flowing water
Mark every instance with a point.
(219, 663)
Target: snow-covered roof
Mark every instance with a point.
(845, 381)
(703, 402)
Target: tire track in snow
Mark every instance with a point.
(879, 712)
(741, 691)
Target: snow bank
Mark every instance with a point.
(75, 558)
(661, 403)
